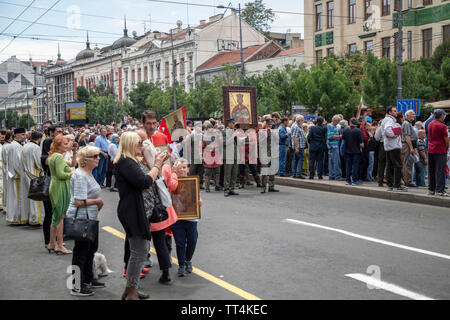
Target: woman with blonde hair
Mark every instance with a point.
(131, 182)
(86, 203)
(59, 192)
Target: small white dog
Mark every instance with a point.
(99, 266)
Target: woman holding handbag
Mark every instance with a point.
(59, 192)
(131, 182)
(85, 203)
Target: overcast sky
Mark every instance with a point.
(157, 16)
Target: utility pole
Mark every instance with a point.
(113, 92)
(399, 49)
(242, 49)
(174, 74)
(28, 110)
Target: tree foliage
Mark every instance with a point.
(258, 16)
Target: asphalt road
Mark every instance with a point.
(262, 246)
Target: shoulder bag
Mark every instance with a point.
(163, 192)
(80, 229)
(159, 213)
(39, 186)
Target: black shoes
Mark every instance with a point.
(165, 278)
(300, 177)
(230, 193)
(83, 292)
(273, 190)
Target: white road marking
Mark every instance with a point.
(387, 286)
(355, 235)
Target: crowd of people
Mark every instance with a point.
(124, 158)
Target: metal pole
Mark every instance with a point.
(399, 50)
(174, 75)
(15, 109)
(28, 110)
(242, 49)
(113, 93)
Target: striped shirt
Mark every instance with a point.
(297, 132)
(83, 187)
(332, 143)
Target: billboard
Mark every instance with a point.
(76, 113)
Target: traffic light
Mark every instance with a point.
(34, 91)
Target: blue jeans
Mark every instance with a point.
(352, 163)
(297, 162)
(334, 163)
(186, 235)
(282, 161)
(420, 170)
(99, 173)
(370, 167)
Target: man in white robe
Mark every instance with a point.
(32, 166)
(16, 212)
(2, 141)
(5, 180)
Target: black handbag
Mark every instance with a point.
(80, 229)
(159, 213)
(39, 188)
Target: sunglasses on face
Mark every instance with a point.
(96, 156)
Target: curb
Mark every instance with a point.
(365, 192)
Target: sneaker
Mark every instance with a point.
(83, 292)
(358, 183)
(402, 188)
(412, 185)
(431, 193)
(181, 271)
(443, 194)
(348, 183)
(95, 284)
(188, 267)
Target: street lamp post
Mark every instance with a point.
(399, 50)
(240, 36)
(113, 92)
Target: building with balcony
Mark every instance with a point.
(339, 27)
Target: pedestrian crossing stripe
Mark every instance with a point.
(244, 294)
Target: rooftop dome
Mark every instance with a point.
(86, 53)
(125, 41)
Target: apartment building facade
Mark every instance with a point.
(341, 26)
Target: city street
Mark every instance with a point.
(296, 244)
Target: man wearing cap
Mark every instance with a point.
(16, 187)
(231, 167)
(31, 154)
(409, 146)
(265, 138)
(2, 141)
(438, 143)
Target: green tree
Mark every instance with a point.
(379, 86)
(205, 100)
(258, 16)
(23, 121)
(101, 91)
(445, 69)
(326, 90)
(83, 94)
(441, 51)
(139, 95)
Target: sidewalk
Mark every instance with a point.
(368, 189)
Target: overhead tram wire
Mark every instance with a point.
(20, 14)
(57, 1)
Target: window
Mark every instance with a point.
(397, 5)
(446, 32)
(167, 70)
(182, 68)
(426, 42)
(318, 17)
(386, 7)
(409, 45)
(409, 4)
(367, 9)
(386, 42)
(368, 46)
(330, 14)
(352, 47)
(427, 2)
(351, 11)
(318, 56)
(330, 51)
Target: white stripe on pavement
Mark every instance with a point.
(355, 235)
(387, 286)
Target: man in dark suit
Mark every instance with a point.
(317, 139)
